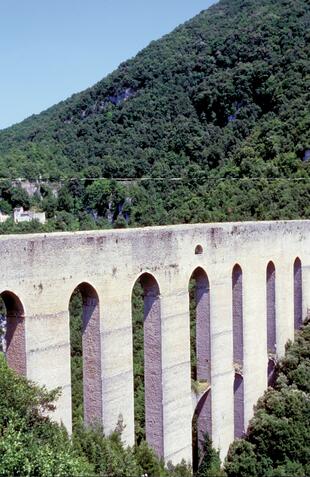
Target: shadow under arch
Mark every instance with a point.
(200, 324)
(298, 318)
(89, 317)
(198, 436)
(146, 313)
(271, 320)
(15, 334)
(237, 325)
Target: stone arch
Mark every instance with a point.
(91, 351)
(199, 291)
(237, 314)
(298, 318)
(271, 319)
(152, 351)
(15, 335)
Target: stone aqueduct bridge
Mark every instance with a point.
(252, 289)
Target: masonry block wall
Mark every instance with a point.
(41, 272)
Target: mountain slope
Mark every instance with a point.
(224, 95)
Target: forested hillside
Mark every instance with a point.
(222, 103)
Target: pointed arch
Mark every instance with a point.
(15, 335)
(271, 307)
(91, 353)
(298, 318)
(199, 299)
(271, 319)
(152, 363)
(237, 314)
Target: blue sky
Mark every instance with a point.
(50, 49)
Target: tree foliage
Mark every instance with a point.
(30, 444)
(221, 103)
(277, 440)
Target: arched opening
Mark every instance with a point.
(198, 438)
(238, 405)
(199, 300)
(237, 312)
(298, 318)
(85, 355)
(147, 362)
(12, 331)
(198, 250)
(271, 320)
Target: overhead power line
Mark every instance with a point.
(159, 179)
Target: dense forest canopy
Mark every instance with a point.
(221, 103)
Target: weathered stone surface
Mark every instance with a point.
(43, 271)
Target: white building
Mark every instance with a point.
(3, 217)
(21, 215)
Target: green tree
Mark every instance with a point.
(209, 460)
(277, 438)
(98, 196)
(30, 443)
